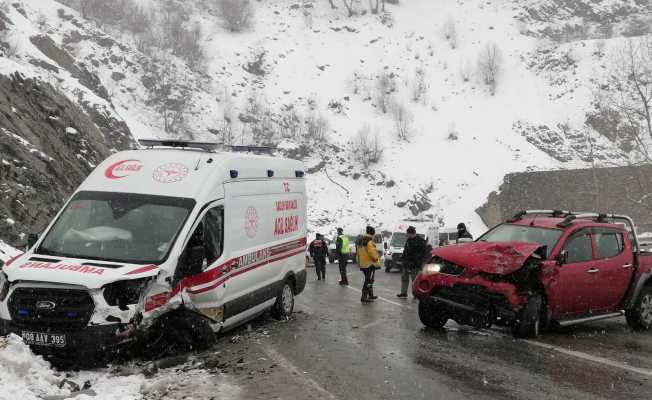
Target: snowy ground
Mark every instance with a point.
(28, 377)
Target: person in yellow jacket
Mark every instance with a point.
(369, 262)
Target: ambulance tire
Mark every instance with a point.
(179, 331)
(284, 301)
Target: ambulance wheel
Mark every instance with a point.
(284, 301)
(178, 331)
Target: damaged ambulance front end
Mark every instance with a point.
(99, 278)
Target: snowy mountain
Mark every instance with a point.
(419, 109)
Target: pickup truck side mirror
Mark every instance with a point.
(32, 238)
(562, 257)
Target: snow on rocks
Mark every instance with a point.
(71, 131)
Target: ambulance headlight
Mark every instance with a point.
(124, 293)
(430, 269)
(4, 286)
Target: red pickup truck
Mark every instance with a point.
(540, 268)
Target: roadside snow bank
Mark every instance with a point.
(26, 376)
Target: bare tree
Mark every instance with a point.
(419, 86)
(450, 32)
(490, 66)
(367, 147)
(385, 86)
(627, 95)
(237, 14)
(403, 120)
(348, 4)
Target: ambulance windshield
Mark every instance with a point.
(119, 227)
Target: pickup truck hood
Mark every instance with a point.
(75, 271)
(494, 258)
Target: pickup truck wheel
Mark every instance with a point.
(529, 319)
(284, 301)
(640, 317)
(431, 315)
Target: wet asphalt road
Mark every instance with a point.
(334, 347)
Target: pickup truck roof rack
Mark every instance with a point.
(548, 213)
(210, 147)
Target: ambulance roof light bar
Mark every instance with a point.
(182, 144)
(210, 147)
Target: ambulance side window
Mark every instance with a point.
(214, 234)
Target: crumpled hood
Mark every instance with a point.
(74, 271)
(494, 258)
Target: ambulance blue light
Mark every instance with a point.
(234, 174)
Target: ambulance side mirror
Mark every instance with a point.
(32, 238)
(192, 261)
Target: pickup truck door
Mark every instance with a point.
(572, 287)
(614, 265)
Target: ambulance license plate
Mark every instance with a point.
(44, 339)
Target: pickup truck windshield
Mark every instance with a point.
(119, 227)
(527, 234)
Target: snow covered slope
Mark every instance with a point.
(309, 78)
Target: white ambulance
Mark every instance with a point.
(175, 232)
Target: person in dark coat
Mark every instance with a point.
(462, 232)
(414, 253)
(319, 251)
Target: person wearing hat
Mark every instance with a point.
(319, 251)
(414, 252)
(462, 232)
(342, 249)
(369, 261)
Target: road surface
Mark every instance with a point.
(334, 347)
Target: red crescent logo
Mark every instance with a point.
(122, 169)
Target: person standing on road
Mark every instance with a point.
(414, 253)
(342, 249)
(462, 232)
(369, 261)
(319, 251)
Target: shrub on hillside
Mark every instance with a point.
(367, 147)
(419, 86)
(450, 33)
(237, 14)
(490, 66)
(403, 120)
(385, 87)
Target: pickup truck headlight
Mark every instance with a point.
(388, 252)
(430, 269)
(4, 286)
